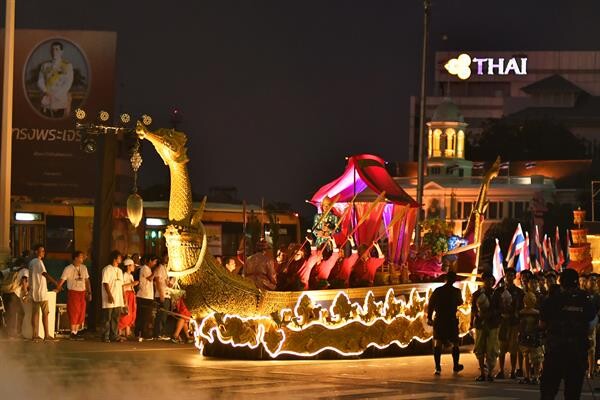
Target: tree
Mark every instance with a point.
(527, 140)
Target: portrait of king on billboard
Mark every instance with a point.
(56, 78)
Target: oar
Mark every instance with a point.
(386, 231)
(366, 216)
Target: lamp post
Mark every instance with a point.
(421, 158)
(101, 136)
(6, 141)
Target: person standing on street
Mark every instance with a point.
(112, 297)
(145, 299)
(444, 302)
(39, 293)
(485, 318)
(78, 292)
(508, 333)
(162, 297)
(568, 318)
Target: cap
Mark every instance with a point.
(128, 261)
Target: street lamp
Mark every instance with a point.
(100, 136)
(421, 156)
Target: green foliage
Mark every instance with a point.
(436, 234)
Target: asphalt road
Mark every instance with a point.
(161, 370)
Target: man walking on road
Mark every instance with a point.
(444, 302)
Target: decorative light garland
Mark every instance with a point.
(346, 328)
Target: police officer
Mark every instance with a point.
(568, 317)
(444, 302)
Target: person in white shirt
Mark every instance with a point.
(127, 320)
(112, 297)
(78, 291)
(39, 291)
(145, 298)
(13, 296)
(162, 296)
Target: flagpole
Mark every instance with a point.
(6, 134)
(421, 156)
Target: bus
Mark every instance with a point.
(63, 228)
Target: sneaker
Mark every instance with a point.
(106, 340)
(73, 336)
(50, 339)
(458, 368)
(175, 340)
(36, 339)
(524, 381)
(500, 375)
(190, 340)
(140, 339)
(480, 378)
(513, 375)
(490, 378)
(164, 338)
(438, 371)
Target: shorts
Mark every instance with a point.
(446, 331)
(535, 354)
(508, 336)
(40, 305)
(486, 343)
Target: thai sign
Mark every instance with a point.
(56, 72)
(464, 66)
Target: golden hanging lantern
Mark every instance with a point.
(578, 216)
(135, 209)
(135, 204)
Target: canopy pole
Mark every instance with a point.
(421, 158)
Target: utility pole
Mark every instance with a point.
(6, 141)
(421, 158)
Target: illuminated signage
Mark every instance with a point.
(461, 66)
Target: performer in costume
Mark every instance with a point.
(339, 276)
(325, 222)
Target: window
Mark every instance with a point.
(434, 171)
(464, 209)
(517, 209)
(494, 211)
(461, 172)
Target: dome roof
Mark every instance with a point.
(447, 111)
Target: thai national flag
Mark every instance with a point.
(549, 253)
(560, 256)
(539, 251)
(525, 254)
(569, 244)
(497, 263)
(515, 250)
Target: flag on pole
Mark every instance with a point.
(539, 251)
(515, 250)
(497, 264)
(526, 259)
(560, 255)
(567, 255)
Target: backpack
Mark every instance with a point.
(10, 283)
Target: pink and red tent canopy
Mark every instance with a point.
(368, 171)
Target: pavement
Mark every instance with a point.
(161, 370)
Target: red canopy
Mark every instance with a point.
(362, 171)
(368, 171)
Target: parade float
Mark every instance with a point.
(233, 317)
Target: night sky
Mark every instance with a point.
(274, 94)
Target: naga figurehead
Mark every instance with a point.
(169, 143)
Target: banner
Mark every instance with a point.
(55, 73)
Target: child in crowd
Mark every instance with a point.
(529, 339)
(183, 316)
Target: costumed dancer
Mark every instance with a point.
(339, 277)
(260, 267)
(303, 272)
(325, 223)
(363, 272)
(321, 271)
(444, 302)
(512, 304)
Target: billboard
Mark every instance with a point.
(56, 72)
